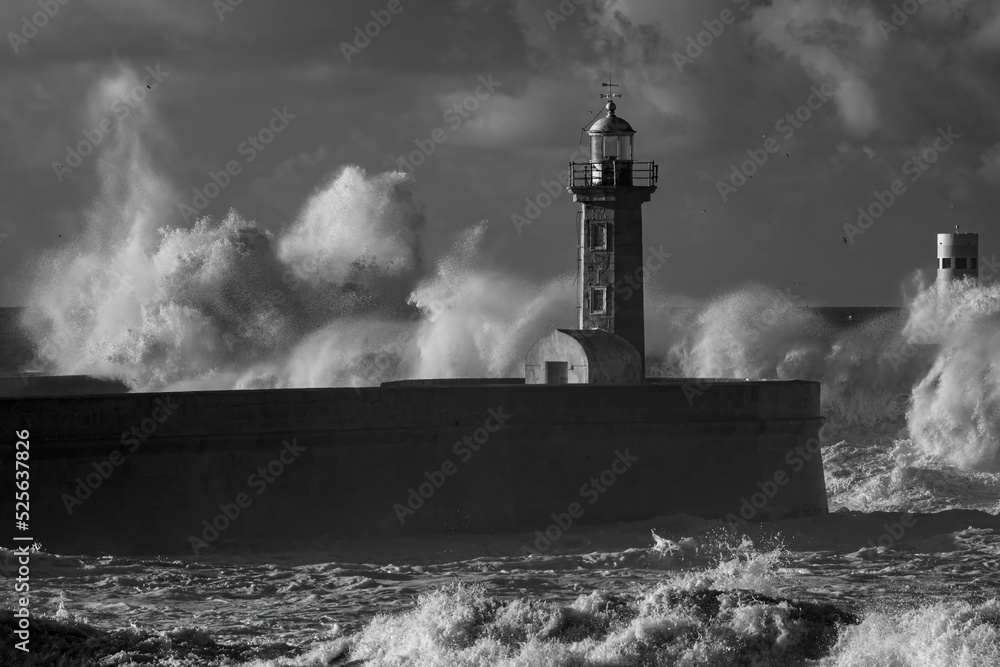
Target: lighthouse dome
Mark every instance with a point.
(611, 124)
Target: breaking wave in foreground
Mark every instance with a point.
(714, 600)
(342, 296)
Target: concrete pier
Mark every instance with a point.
(156, 473)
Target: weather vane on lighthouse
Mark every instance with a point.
(611, 94)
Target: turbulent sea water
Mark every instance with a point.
(674, 590)
(905, 570)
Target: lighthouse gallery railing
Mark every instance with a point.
(613, 173)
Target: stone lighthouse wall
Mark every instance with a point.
(618, 267)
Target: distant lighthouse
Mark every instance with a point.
(957, 256)
(609, 345)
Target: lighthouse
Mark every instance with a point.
(611, 189)
(609, 344)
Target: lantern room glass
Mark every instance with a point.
(611, 147)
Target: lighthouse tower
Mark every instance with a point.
(611, 189)
(609, 344)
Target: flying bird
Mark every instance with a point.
(845, 240)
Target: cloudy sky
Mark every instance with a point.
(891, 86)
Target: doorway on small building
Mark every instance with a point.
(556, 372)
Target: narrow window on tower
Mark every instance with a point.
(959, 262)
(946, 263)
(599, 237)
(972, 263)
(598, 300)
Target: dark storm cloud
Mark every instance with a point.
(443, 36)
(227, 68)
(894, 83)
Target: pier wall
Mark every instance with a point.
(144, 473)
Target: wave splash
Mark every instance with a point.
(955, 412)
(929, 374)
(342, 296)
(664, 625)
